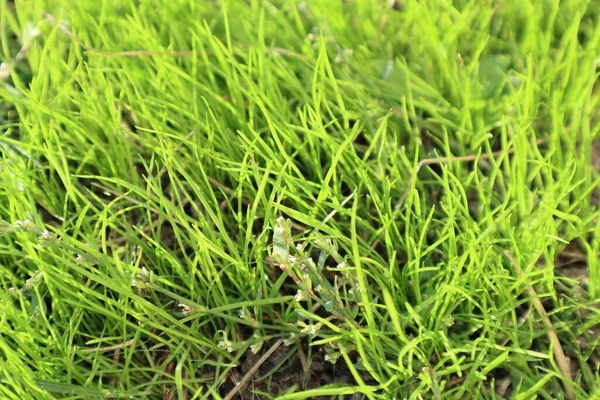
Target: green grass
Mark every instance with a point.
(141, 197)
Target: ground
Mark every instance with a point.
(282, 199)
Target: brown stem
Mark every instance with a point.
(559, 355)
(147, 53)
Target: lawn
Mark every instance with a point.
(359, 199)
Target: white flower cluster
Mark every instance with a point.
(26, 224)
(142, 279)
(186, 309)
(301, 296)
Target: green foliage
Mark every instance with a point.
(163, 216)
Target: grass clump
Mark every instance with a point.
(296, 200)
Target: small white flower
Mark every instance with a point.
(291, 339)
(141, 279)
(4, 71)
(29, 34)
(46, 235)
(311, 330)
(225, 344)
(255, 348)
(304, 277)
(318, 288)
(341, 265)
(301, 296)
(292, 259)
(244, 313)
(298, 246)
(186, 309)
(331, 358)
(311, 262)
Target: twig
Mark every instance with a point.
(259, 363)
(108, 348)
(253, 370)
(147, 53)
(303, 361)
(442, 160)
(559, 355)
